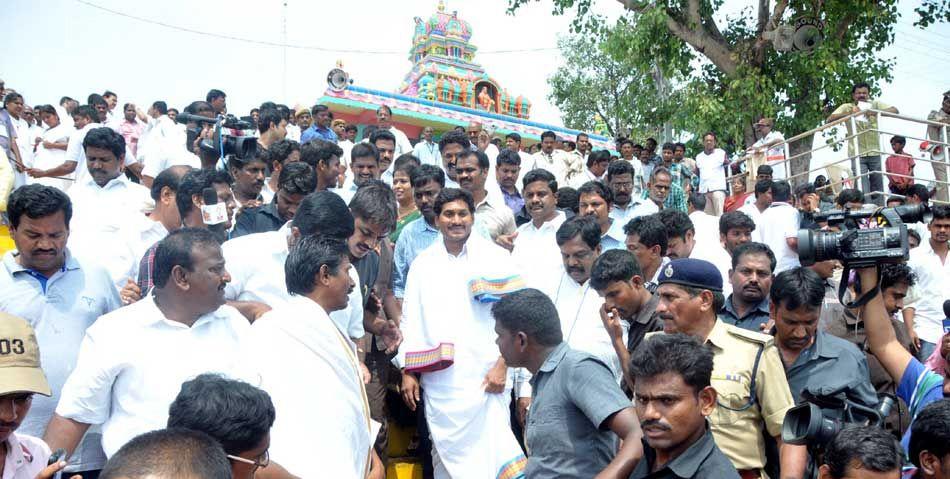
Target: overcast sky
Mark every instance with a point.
(69, 47)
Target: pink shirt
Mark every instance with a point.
(26, 457)
(131, 131)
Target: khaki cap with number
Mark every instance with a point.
(20, 369)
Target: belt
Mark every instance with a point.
(749, 473)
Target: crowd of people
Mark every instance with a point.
(550, 311)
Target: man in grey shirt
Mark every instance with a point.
(577, 409)
(674, 396)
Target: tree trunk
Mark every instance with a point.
(800, 164)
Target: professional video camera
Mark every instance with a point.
(231, 136)
(817, 420)
(865, 238)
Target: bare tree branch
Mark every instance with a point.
(763, 17)
(780, 7)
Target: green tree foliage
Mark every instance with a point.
(725, 72)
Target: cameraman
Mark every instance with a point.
(862, 451)
(917, 385)
(814, 360)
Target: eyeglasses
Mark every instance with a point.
(262, 461)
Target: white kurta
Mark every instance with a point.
(312, 375)
(471, 431)
(49, 158)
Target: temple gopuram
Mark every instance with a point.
(446, 87)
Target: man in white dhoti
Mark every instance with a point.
(323, 427)
(448, 343)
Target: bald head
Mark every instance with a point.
(169, 454)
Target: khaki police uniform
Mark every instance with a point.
(737, 422)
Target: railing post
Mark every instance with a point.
(855, 168)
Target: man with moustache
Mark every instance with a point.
(751, 276)
(426, 150)
(466, 400)
(451, 147)
(133, 361)
(364, 161)
(535, 247)
(493, 219)
(427, 182)
(746, 365)
(674, 398)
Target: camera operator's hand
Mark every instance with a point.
(881, 338)
(914, 340)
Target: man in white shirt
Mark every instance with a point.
(51, 148)
(597, 165)
(106, 205)
(705, 225)
(365, 166)
(426, 150)
(554, 160)
(535, 246)
(929, 263)
(163, 145)
(84, 120)
(762, 201)
(626, 195)
(765, 150)
(385, 144)
(466, 400)
(492, 217)
(712, 164)
(325, 426)
(682, 243)
(165, 218)
(384, 117)
(778, 227)
(133, 361)
(41, 282)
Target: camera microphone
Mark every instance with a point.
(214, 214)
(188, 118)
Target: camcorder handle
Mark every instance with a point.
(864, 298)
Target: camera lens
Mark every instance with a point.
(817, 246)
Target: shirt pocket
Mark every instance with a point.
(732, 398)
(545, 429)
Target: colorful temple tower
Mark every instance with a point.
(445, 88)
(444, 69)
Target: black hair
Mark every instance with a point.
(169, 177)
(899, 139)
(861, 84)
(455, 137)
(753, 248)
(708, 133)
(268, 117)
(375, 202)
(280, 150)
(315, 152)
(193, 183)
(677, 223)
(514, 136)
(94, 99)
(940, 212)
(161, 107)
(697, 200)
(805, 189)
(598, 156)
(781, 190)
(863, 448)
(363, 150)
(914, 234)
(681, 146)
(762, 186)
(919, 191)
(548, 134)
(406, 162)
(848, 195)
(508, 157)
(382, 135)
(384, 107)
(796, 288)
(567, 198)
(284, 112)
(86, 111)
(213, 95)
(426, 173)
(930, 431)
(614, 265)
(735, 220)
(233, 412)
(351, 128)
(892, 274)
(65, 99)
(307, 256)
(584, 226)
(198, 107)
(596, 188)
(540, 174)
(619, 168)
(673, 353)
(324, 213)
(177, 249)
(297, 178)
(625, 141)
(764, 170)
(650, 231)
(668, 146)
(480, 157)
(318, 108)
(107, 139)
(38, 201)
(46, 109)
(172, 452)
(448, 195)
(579, 135)
(531, 312)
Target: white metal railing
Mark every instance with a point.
(851, 141)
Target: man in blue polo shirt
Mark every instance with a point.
(41, 282)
